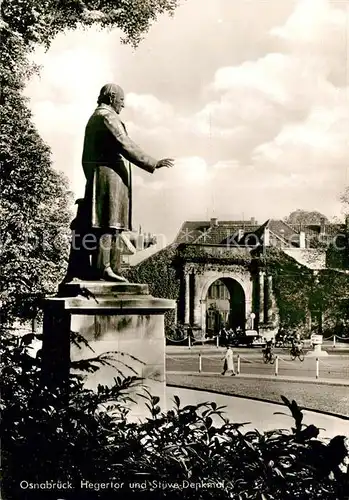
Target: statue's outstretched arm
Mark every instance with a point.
(129, 149)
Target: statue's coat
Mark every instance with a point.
(106, 156)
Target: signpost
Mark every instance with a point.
(317, 341)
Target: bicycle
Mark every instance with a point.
(296, 352)
(269, 357)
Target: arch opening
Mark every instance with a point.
(225, 306)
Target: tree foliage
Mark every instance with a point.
(162, 275)
(305, 218)
(90, 438)
(207, 255)
(344, 198)
(298, 291)
(34, 212)
(45, 436)
(331, 296)
(292, 286)
(39, 22)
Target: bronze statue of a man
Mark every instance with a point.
(108, 197)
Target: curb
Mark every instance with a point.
(282, 378)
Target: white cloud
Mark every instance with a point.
(148, 108)
(192, 169)
(262, 75)
(317, 31)
(293, 119)
(312, 22)
(256, 118)
(139, 182)
(65, 94)
(230, 165)
(74, 69)
(319, 143)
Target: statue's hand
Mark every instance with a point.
(166, 162)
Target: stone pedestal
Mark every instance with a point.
(120, 318)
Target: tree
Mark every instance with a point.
(344, 199)
(34, 208)
(34, 214)
(35, 199)
(39, 22)
(304, 217)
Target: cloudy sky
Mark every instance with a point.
(249, 96)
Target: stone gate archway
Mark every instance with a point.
(197, 284)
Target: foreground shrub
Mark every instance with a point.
(192, 452)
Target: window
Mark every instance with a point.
(218, 290)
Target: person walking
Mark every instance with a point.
(228, 367)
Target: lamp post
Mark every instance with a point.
(252, 316)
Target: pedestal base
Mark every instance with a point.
(119, 321)
(317, 352)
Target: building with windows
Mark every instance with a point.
(225, 275)
(250, 275)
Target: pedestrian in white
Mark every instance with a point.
(228, 367)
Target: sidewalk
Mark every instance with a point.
(265, 416)
(281, 378)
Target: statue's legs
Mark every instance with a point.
(116, 253)
(103, 258)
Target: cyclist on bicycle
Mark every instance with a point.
(268, 350)
(295, 346)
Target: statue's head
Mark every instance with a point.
(113, 95)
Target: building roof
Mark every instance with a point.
(213, 232)
(239, 232)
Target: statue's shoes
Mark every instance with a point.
(109, 275)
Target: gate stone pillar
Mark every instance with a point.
(261, 296)
(269, 300)
(197, 320)
(186, 298)
(248, 292)
(203, 315)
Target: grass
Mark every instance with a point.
(325, 398)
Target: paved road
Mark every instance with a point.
(330, 367)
